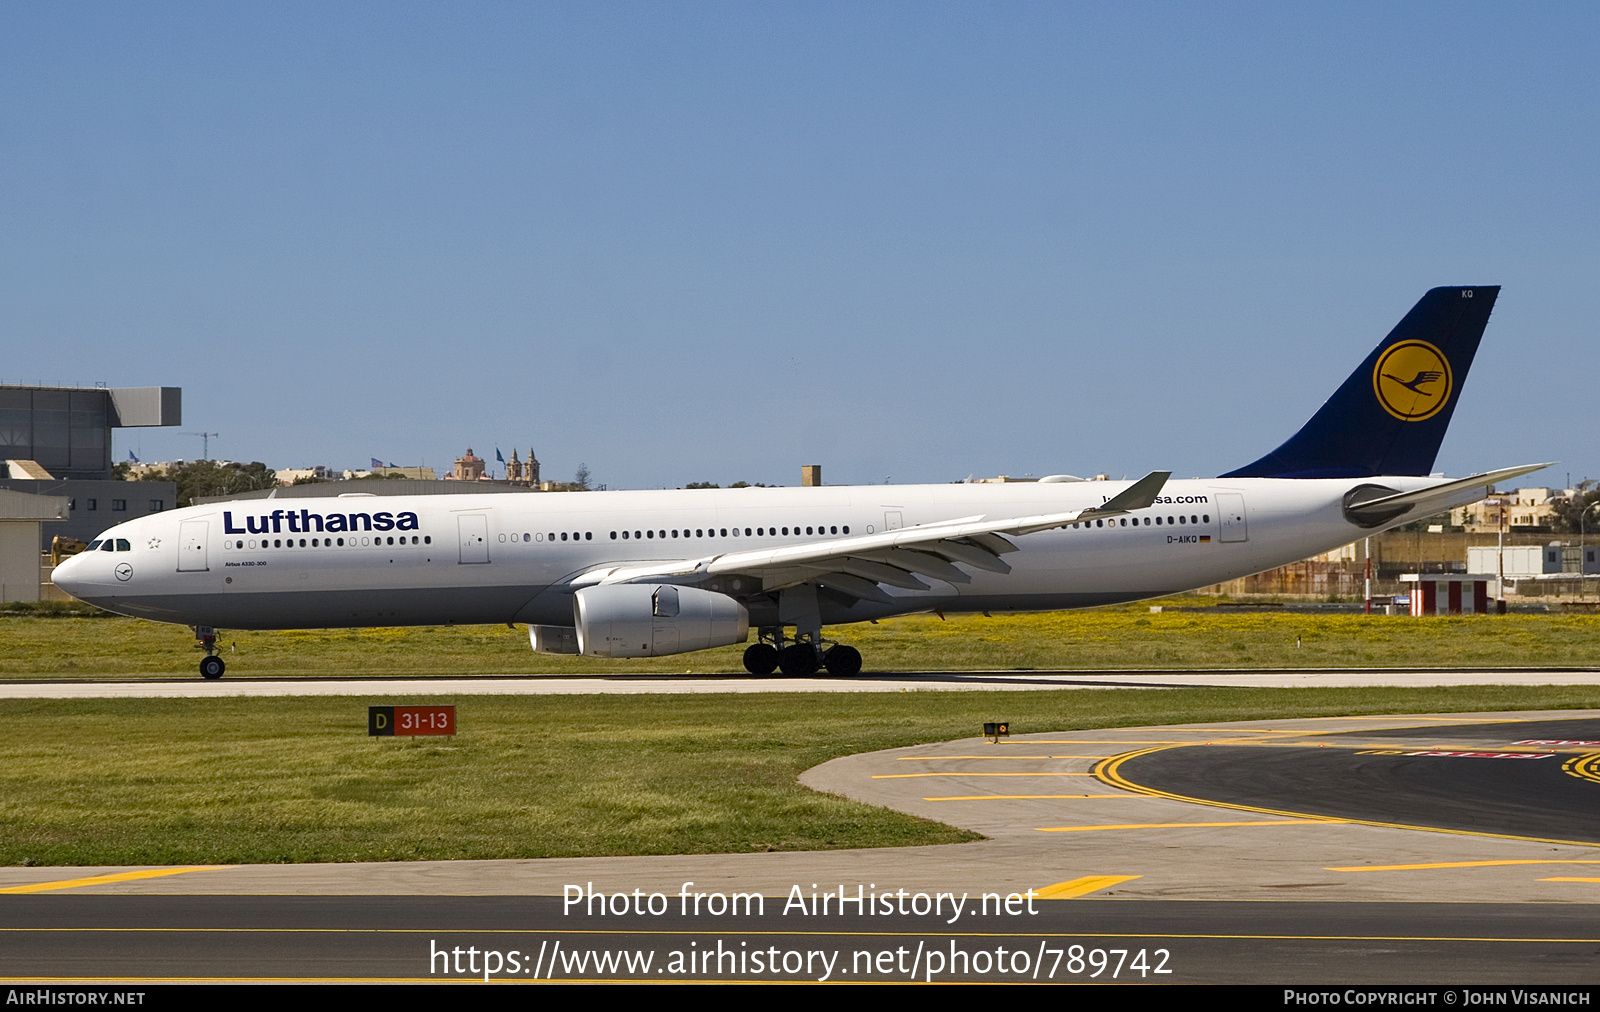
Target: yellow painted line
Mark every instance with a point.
(1570, 880)
(126, 876)
(958, 773)
(1085, 741)
(1162, 741)
(937, 758)
(1189, 825)
(1022, 797)
(1586, 767)
(1081, 886)
(1108, 772)
(1463, 864)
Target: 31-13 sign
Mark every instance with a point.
(386, 721)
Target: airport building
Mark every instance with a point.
(56, 441)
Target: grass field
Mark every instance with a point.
(1130, 637)
(231, 780)
(224, 780)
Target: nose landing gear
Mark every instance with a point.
(211, 666)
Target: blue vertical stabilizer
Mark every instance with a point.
(1390, 416)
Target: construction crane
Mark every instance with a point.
(205, 442)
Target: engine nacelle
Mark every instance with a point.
(653, 620)
(553, 639)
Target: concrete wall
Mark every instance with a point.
(19, 560)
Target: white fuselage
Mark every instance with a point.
(479, 558)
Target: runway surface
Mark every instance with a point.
(992, 681)
(1259, 852)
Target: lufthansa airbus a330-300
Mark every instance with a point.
(644, 574)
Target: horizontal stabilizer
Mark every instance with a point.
(1368, 506)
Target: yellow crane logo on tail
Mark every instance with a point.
(1412, 381)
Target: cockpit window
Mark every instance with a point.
(107, 546)
(123, 545)
(93, 545)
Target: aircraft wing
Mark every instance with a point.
(857, 565)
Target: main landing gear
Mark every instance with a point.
(211, 666)
(800, 659)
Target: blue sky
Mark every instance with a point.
(685, 242)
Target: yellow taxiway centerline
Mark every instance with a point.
(1081, 886)
(126, 876)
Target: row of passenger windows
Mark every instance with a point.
(322, 542)
(699, 532)
(1171, 521)
(723, 532)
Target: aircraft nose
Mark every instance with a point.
(71, 576)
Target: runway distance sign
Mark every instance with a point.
(388, 721)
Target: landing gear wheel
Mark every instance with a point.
(212, 667)
(843, 661)
(761, 658)
(799, 660)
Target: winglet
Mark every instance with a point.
(1140, 495)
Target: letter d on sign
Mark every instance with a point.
(380, 722)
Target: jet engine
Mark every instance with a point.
(652, 620)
